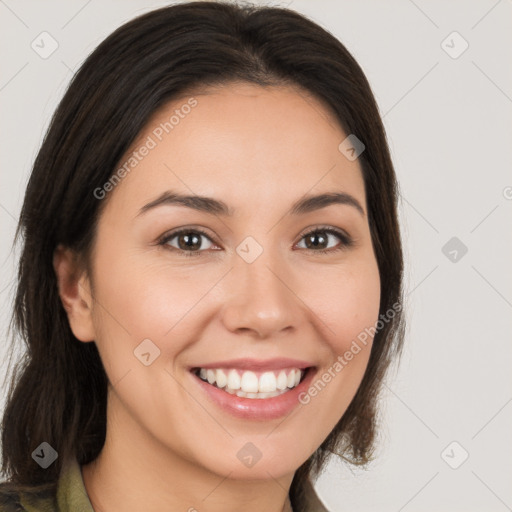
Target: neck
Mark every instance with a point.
(134, 472)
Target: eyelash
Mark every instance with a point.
(346, 241)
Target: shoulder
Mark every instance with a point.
(312, 502)
(14, 500)
(9, 499)
(67, 494)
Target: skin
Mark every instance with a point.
(259, 150)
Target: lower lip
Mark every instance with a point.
(257, 408)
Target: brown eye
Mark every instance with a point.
(316, 239)
(319, 239)
(189, 241)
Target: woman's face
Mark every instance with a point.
(255, 287)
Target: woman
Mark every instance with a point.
(210, 282)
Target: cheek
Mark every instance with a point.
(141, 293)
(347, 301)
(349, 305)
(141, 300)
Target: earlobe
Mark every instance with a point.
(75, 293)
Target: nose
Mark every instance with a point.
(261, 297)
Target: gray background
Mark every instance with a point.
(449, 126)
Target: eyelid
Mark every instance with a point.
(187, 229)
(346, 240)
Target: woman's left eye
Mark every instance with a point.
(316, 238)
(190, 240)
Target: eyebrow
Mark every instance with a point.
(216, 207)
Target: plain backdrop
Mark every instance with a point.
(442, 77)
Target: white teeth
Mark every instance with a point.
(267, 383)
(210, 375)
(221, 379)
(233, 380)
(282, 380)
(260, 396)
(247, 384)
(291, 379)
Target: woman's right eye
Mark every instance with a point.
(188, 240)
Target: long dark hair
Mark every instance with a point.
(58, 391)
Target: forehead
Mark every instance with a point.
(243, 143)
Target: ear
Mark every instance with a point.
(75, 293)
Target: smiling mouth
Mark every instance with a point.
(252, 384)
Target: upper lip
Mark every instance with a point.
(257, 364)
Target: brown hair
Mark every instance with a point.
(58, 391)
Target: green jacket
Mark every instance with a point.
(71, 496)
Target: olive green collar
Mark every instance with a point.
(72, 497)
(71, 494)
